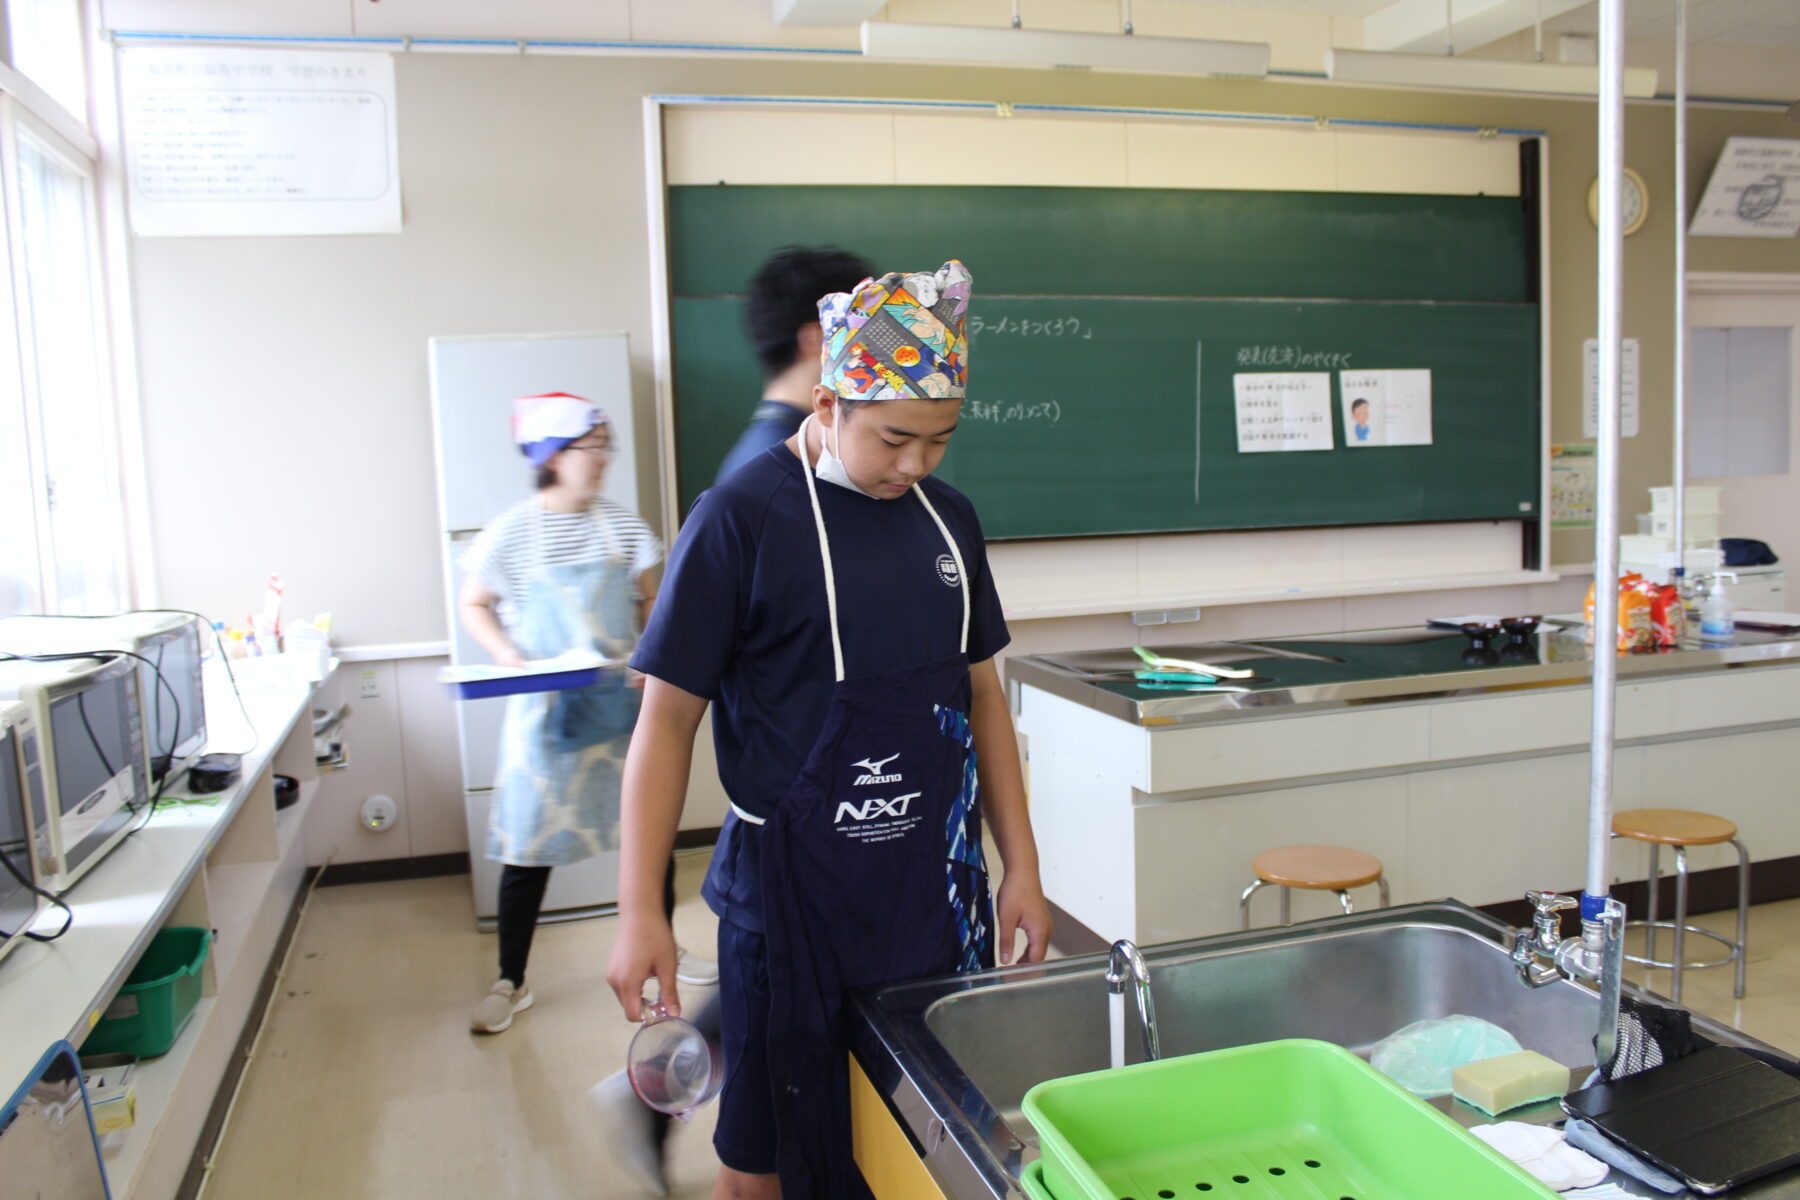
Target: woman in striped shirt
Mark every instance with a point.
(562, 570)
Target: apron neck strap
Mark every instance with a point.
(962, 577)
(812, 495)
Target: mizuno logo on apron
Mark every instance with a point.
(872, 771)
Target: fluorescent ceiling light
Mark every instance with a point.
(1478, 74)
(1059, 48)
(825, 12)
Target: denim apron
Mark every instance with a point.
(556, 793)
(872, 873)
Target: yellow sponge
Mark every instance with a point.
(1495, 1085)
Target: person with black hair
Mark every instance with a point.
(564, 569)
(781, 317)
(861, 730)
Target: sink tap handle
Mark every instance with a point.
(1548, 917)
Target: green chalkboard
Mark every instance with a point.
(1107, 327)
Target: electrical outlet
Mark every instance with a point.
(368, 685)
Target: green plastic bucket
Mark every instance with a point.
(1288, 1120)
(159, 996)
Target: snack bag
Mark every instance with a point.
(1635, 629)
(1668, 616)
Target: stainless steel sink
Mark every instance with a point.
(955, 1056)
(1352, 987)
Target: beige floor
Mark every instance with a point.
(1770, 1009)
(368, 1085)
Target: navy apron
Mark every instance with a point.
(872, 873)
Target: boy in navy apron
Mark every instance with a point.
(835, 603)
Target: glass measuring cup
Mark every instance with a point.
(672, 1066)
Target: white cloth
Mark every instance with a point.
(1542, 1151)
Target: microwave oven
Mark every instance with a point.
(23, 838)
(91, 755)
(170, 645)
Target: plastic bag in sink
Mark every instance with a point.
(1422, 1056)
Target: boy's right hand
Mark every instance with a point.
(645, 951)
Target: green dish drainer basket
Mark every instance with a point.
(1288, 1120)
(159, 996)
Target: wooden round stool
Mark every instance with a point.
(1316, 869)
(1681, 828)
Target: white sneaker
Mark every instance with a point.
(628, 1130)
(695, 971)
(494, 1012)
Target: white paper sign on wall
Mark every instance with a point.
(258, 143)
(1628, 389)
(1753, 192)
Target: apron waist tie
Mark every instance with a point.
(748, 818)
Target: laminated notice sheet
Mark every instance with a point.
(222, 141)
(1386, 408)
(1290, 410)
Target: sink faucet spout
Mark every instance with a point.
(1125, 965)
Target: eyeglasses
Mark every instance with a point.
(604, 448)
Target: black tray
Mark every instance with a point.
(1716, 1118)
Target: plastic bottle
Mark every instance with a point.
(1717, 621)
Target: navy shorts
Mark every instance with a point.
(745, 1137)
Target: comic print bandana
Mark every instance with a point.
(899, 337)
(543, 425)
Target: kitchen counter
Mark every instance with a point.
(1315, 672)
(1465, 773)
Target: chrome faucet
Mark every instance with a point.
(1543, 940)
(1124, 964)
(1542, 956)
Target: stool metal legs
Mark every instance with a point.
(1286, 909)
(1743, 924)
(1244, 902)
(1681, 880)
(1677, 962)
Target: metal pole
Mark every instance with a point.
(1681, 330)
(1610, 289)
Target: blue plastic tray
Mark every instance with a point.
(513, 685)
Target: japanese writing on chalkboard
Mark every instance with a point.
(1047, 412)
(1053, 327)
(1295, 357)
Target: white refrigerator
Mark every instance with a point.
(474, 381)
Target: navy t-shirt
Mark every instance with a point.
(771, 424)
(741, 620)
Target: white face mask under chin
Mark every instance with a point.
(830, 467)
